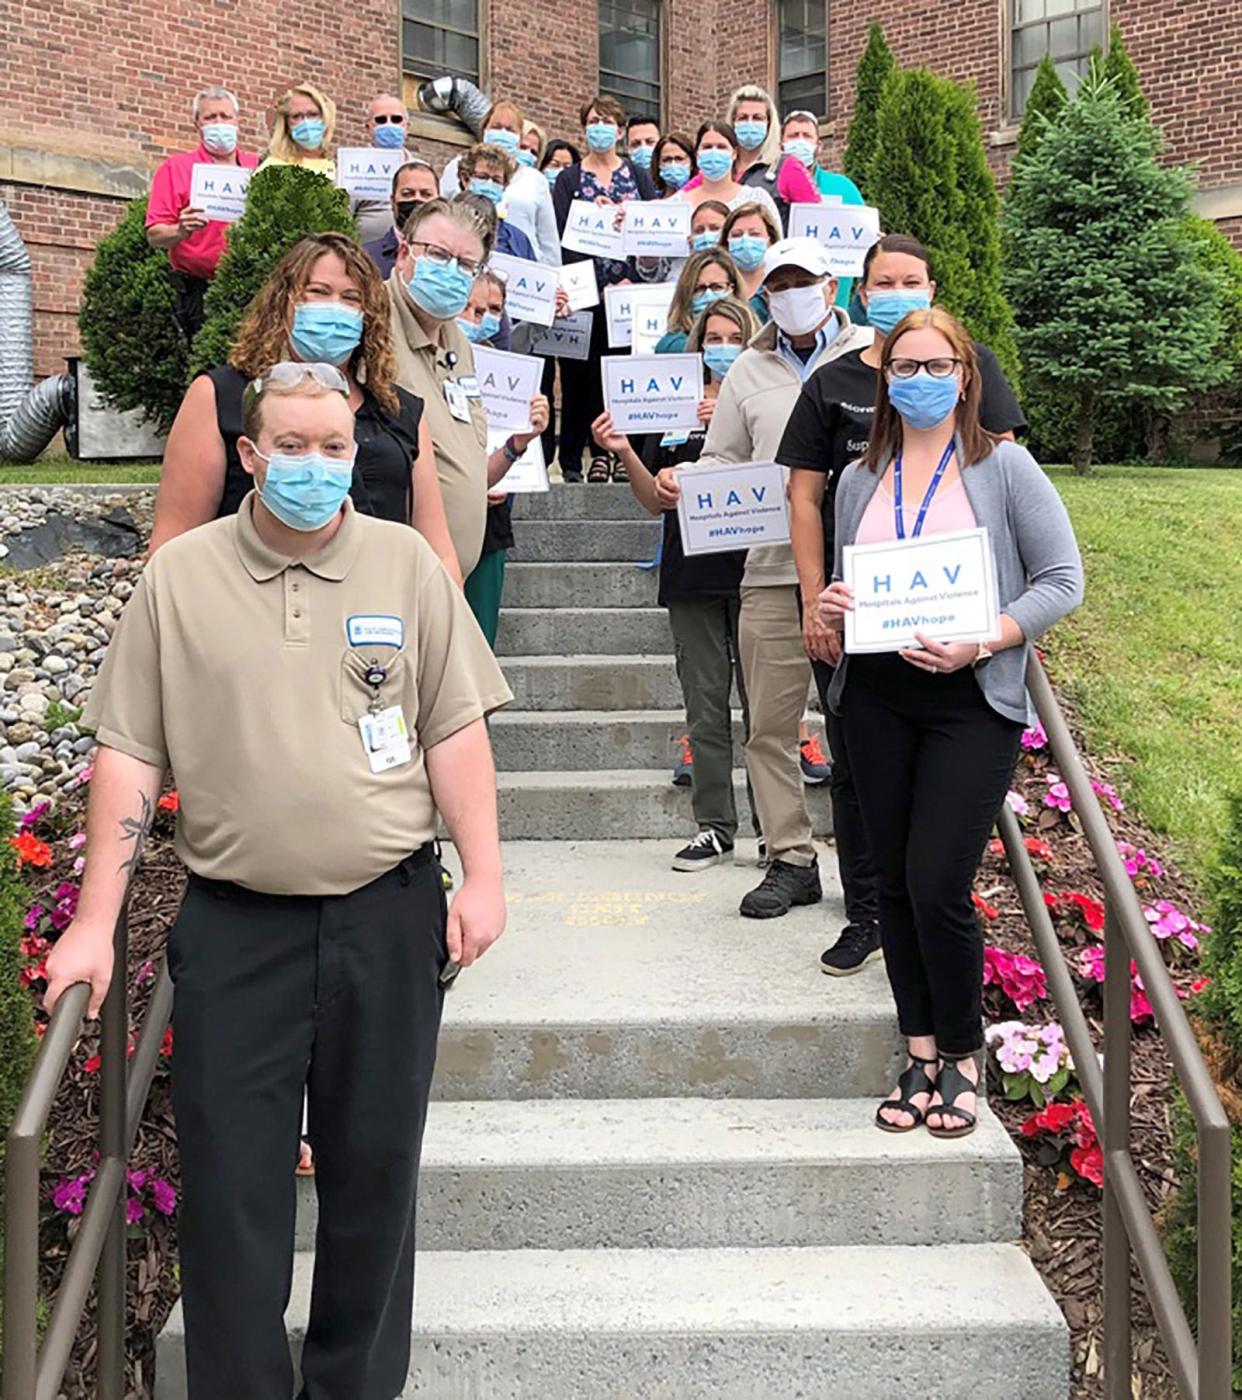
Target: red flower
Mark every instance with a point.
(92, 1065)
(33, 972)
(1197, 986)
(30, 850)
(1092, 910)
(1052, 901)
(166, 1045)
(996, 846)
(170, 802)
(987, 910)
(1088, 1162)
(1052, 1118)
(1041, 850)
(33, 946)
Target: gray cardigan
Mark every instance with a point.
(1038, 567)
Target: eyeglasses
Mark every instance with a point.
(289, 373)
(382, 120)
(940, 367)
(441, 257)
(712, 287)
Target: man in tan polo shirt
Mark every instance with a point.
(319, 686)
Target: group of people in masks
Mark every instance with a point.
(922, 741)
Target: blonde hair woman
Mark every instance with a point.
(303, 126)
(531, 147)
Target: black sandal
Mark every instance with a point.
(908, 1085)
(597, 472)
(951, 1084)
(619, 470)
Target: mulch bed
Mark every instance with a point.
(1062, 1212)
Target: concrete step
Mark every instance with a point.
(579, 502)
(960, 1322)
(592, 682)
(700, 1174)
(582, 740)
(584, 631)
(607, 804)
(542, 541)
(620, 978)
(578, 585)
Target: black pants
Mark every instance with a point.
(849, 834)
(547, 387)
(190, 294)
(937, 761)
(582, 395)
(338, 998)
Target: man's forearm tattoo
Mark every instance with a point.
(135, 829)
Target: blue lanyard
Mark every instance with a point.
(927, 499)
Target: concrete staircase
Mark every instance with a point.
(650, 1169)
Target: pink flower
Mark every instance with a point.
(134, 1210)
(77, 841)
(70, 1196)
(1058, 794)
(79, 865)
(1017, 803)
(1019, 978)
(34, 917)
(163, 1197)
(1091, 963)
(1034, 738)
(34, 816)
(1106, 790)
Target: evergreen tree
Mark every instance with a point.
(131, 338)
(283, 203)
(929, 177)
(1047, 97)
(1118, 68)
(1111, 301)
(875, 68)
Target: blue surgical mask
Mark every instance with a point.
(674, 176)
(801, 149)
(751, 135)
(325, 332)
(719, 358)
(487, 329)
(442, 290)
(308, 132)
(550, 172)
(707, 239)
(601, 136)
(506, 140)
(220, 138)
(885, 309)
(700, 301)
(489, 189)
(641, 156)
(715, 164)
(305, 492)
(525, 157)
(747, 250)
(923, 400)
(390, 136)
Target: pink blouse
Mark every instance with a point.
(950, 510)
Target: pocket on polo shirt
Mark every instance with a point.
(356, 694)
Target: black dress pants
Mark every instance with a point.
(935, 761)
(277, 996)
(849, 834)
(582, 395)
(190, 294)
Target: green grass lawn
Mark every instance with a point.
(1151, 660)
(62, 470)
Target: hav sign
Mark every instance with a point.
(568, 338)
(656, 229)
(507, 384)
(365, 172)
(530, 288)
(943, 586)
(652, 393)
(846, 231)
(219, 190)
(732, 507)
(592, 228)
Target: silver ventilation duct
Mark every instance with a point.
(30, 415)
(457, 96)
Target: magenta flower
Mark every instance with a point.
(1058, 794)
(34, 916)
(1091, 963)
(1106, 790)
(1021, 979)
(134, 1210)
(34, 816)
(163, 1197)
(70, 1195)
(1034, 738)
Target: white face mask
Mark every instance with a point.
(798, 310)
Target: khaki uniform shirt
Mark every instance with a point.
(460, 444)
(232, 664)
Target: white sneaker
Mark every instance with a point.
(706, 849)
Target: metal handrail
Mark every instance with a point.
(1203, 1372)
(32, 1372)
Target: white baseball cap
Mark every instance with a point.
(805, 253)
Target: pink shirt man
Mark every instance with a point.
(199, 254)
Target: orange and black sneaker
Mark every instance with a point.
(683, 768)
(815, 767)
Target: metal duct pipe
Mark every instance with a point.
(30, 416)
(458, 96)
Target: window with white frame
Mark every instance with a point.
(1066, 29)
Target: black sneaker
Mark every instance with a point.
(783, 886)
(858, 945)
(571, 477)
(707, 848)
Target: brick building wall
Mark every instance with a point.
(108, 86)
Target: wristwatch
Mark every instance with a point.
(982, 655)
(511, 452)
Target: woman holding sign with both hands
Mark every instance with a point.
(935, 727)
